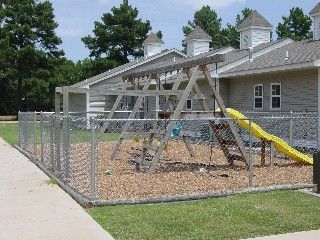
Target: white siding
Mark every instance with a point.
(255, 37)
(260, 36)
(243, 35)
(197, 47)
(316, 28)
(152, 49)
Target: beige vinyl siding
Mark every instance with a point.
(223, 89)
(298, 91)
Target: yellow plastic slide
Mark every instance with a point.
(279, 144)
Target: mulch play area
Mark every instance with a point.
(180, 174)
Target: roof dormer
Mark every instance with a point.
(152, 45)
(315, 15)
(254, 30)
(198, 41)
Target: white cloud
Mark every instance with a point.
(213, 3)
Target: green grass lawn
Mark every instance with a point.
(9, 132)
(242, 216)
(234, 217)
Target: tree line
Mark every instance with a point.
(32, 63)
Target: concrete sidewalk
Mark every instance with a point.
(32, 209)
(310, 235)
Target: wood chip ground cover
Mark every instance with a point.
(178, 173)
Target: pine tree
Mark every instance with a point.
(230, 33)
(296, 26)
(29, 47)
(207, 19)
(119, 35)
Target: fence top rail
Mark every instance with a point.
(201, 119)
(278, 113)
(181, 119)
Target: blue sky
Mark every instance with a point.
(76, 17)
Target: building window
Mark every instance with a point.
(258, 96)
(275, 99)
(189, 104)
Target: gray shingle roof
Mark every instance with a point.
(299, 52)
(238, 54)
(230, 57)
(152, 38)
(198, 33)
(255, 19)
(315, 10)
(118, 69)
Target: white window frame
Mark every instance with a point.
(255, 97)
(271, 96)
(190, 109)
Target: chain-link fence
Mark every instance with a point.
(113, 159)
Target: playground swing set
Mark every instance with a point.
(157, 138)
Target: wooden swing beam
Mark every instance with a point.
(178, 65)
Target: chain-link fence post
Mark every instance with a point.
(93, 169)
(318, 131)
(250, 155)
(291, 129)
(57, 136)
(52, 123)
(41, 137)
(35, 135)
(66, 146)
(20, 128)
